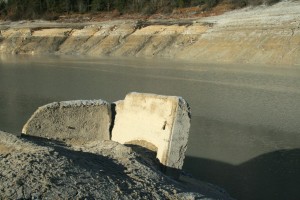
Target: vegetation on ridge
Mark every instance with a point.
(50, 9)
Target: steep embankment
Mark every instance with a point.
(263, 35)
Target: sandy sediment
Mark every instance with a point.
(260, 35)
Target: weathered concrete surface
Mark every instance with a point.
(80, 121)
(154, 121)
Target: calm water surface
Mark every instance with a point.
(245, 134)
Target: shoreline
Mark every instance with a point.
(261, 35)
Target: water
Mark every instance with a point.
(245, 133)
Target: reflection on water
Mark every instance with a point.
(245, 119)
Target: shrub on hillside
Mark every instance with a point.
(243, 3)
(34, 9)
(211, 3)
(271, 2)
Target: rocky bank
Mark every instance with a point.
(39, 168)
(256, 35)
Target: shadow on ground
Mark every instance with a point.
(274, 175)
(95, 164)
(130, 179)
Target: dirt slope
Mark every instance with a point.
(37, 168)
(262, 35)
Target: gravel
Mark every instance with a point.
(38, 168)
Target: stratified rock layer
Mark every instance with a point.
(255, 35)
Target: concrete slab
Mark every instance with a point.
(71, 120)
(156, 122)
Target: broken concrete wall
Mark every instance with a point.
(162, 121)
(71, 120)
(159, 123)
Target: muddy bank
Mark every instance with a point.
(37, 168)
(260, 35)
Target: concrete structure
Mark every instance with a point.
(156, 122)
(159, 123)
(80, 121)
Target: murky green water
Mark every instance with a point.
(245, 133)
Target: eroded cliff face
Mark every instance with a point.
(261, 35)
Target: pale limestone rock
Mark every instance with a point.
(80, 121)
(154, 120)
